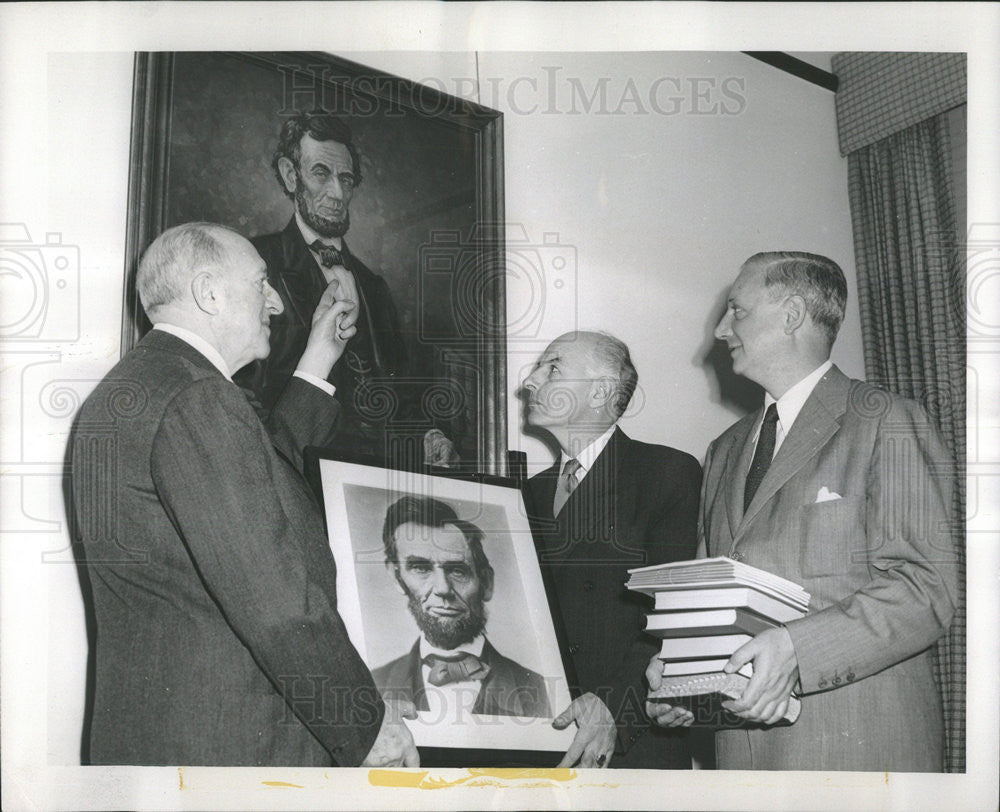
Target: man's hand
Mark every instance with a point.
(775, 672)
(344, 285)
(333, 323)
(394, 745)
(660, 712)
(439, 450)
(594, 742)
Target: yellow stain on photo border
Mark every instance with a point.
(475, 777)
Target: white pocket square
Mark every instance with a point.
(826, 495)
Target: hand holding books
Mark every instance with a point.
(725, 658)
(775, 672)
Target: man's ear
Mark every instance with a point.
(393, 571)
(487, 579)
(204, 290)
(795, 313)
(602, 391)
(288, 174)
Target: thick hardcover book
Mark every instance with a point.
(712, 621)
(711, 666)
(727, 598)
(703, 695)
(715, 572)
(692, 648)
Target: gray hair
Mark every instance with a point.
(817, 279)
(613, 356)
(171, 260)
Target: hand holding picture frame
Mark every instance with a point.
(440, 589)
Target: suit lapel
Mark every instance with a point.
(366, 317)
(735, 474)
(299, 279)
(593, 499)
(415, 670)
(490, 699)
(815, 425)
(544, 490)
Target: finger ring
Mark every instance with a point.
(601, 759)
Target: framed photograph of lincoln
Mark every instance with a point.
(440, 588)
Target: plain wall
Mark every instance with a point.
(657, 174)
(654, 210)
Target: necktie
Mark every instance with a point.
(566, 485)
(459, 668)
(762, 456)
(328, 254)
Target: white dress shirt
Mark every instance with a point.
(790, 404)
(587, 455)
(454, 698)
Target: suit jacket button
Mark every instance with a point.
(850, 676)
(588, 585)
(737, 556)
(573, 649)
(822, 683)
(836, 680)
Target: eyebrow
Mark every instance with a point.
(326, 166)
(418, 559)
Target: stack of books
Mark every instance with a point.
(705, 610)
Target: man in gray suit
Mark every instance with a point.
(846, 490)
(218, 638)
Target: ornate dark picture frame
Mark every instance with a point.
(429, 215)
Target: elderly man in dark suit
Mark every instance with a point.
(218, 638)
(439, 563)
(846, 490)
(608, 504)
(317, 165)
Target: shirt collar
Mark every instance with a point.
(311, 236)
(199, 343)
(791, 403)
(473, 647)
(589, 454)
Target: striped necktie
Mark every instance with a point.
(762, 456)
(566, 485)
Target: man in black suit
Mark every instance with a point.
(317, 165)
(608, 504)
(439, 563)
(218, 637)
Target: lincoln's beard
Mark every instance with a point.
(324, 226)
(449, 632)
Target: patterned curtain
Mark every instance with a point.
(911, 290)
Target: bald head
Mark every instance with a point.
(610, 357)
(209, 280)
(580, 386)
(176, 256)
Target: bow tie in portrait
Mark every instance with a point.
(328, 255)
(455, 669)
